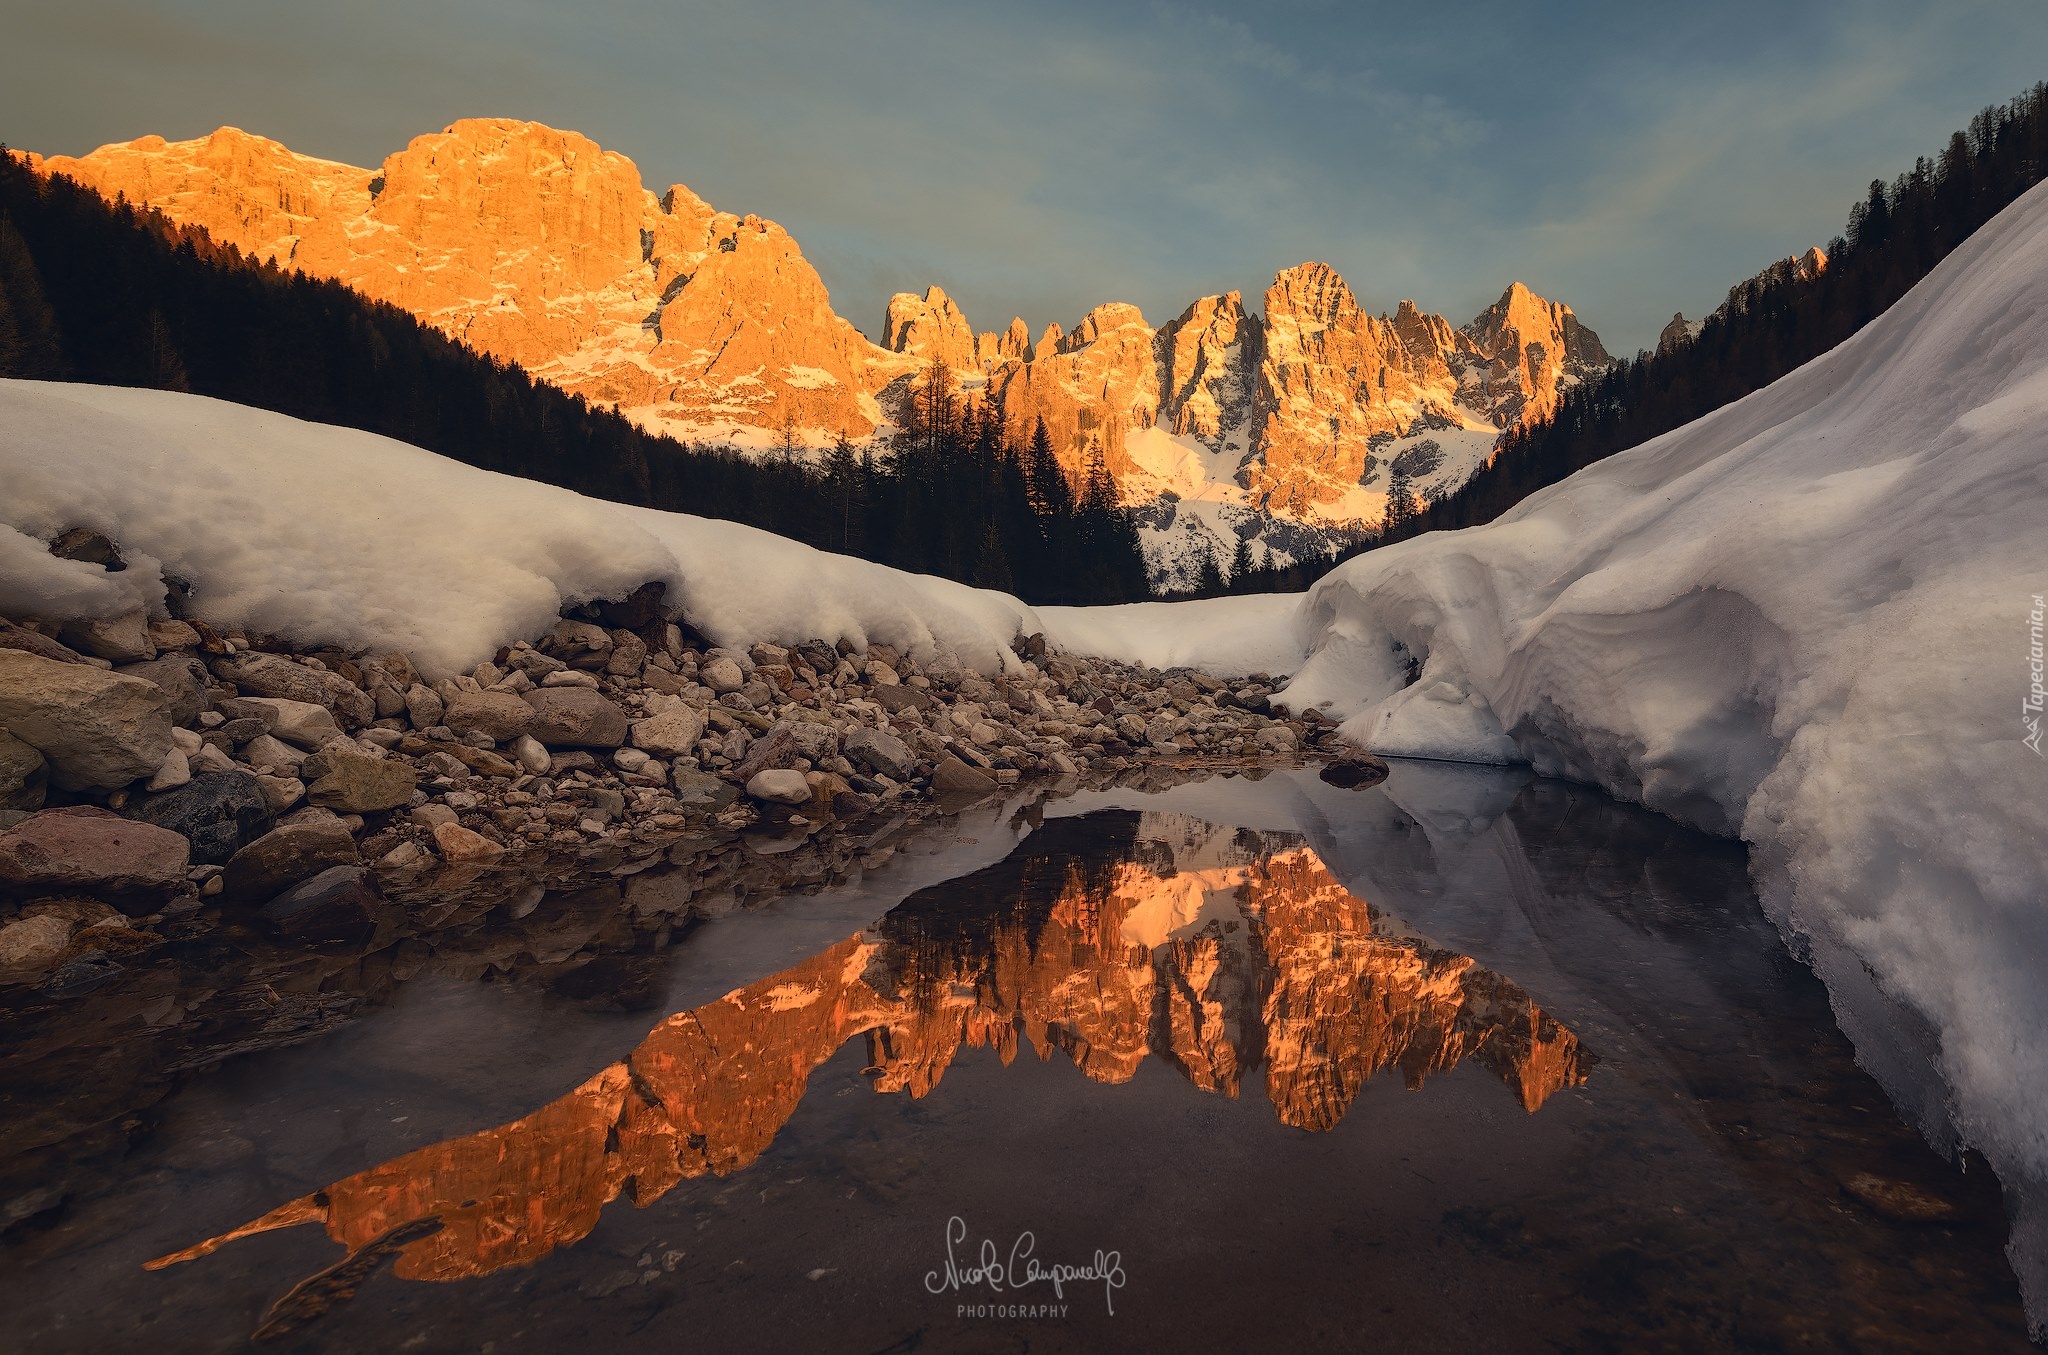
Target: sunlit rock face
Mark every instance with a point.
(1278, 427)
(540, 247)
(931, 329)
(1221, 951)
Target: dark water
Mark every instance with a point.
(1461, 1062)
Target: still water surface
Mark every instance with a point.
(1461, 1061)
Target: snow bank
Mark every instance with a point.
(1225, 636)
(331, 535)
(1804, 619)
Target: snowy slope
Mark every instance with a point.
(1804, 619)
(338, 536)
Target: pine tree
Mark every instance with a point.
(992, 568)
(1241, 561)
(1401, 506)
(1208, 578)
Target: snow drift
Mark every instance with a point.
(1807, 619)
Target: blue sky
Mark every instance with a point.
(1038, 158)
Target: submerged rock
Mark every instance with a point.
(339, 904)
(283, 857)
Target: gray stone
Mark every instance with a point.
(283, 857)
(954, 777)
(217, 812)
(119, 639)
(500, 715)
(274, 675)
(881, 751)
(182, 677)
(339, 904)
(281, 792)
(356, 783)
(306, 724)
(276, 754)
(176, 771)
(575, 717)
(672, 733)
(701, 790)
(422, 706)
(780, 786)
(24, 776)
(531, 754)
(893, 699)
(96, 729)
(721, 675)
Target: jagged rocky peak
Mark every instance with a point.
(929, 327)
(1091, 387)
(1012, 345)
(1110, 315)
(1207, 356)
(1677, 334)
(1534, 350)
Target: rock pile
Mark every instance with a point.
(280, 772)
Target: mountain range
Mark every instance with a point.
(540, 247)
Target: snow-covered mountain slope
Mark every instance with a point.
(1813, 619)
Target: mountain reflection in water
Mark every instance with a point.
(1222, 951)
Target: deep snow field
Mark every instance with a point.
(1802, 620)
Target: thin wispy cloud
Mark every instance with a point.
(1037, 160)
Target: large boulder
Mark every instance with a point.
(97, 730)
(672, 733)
(496, 715)
(575, 717)
(135, 865)
(881, 751)
(217, 812)
(182, 677)
(274, 675)
(23, 774)
(338, 904)
(283, 857)
(353, 782)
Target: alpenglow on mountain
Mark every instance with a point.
(538, 246)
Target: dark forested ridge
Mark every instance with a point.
(1770, 325)
(103, 292)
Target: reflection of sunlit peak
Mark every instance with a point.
(789, 997)
(1158, 907)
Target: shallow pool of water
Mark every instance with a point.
(1462, 1061)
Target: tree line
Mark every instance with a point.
(110, 293)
